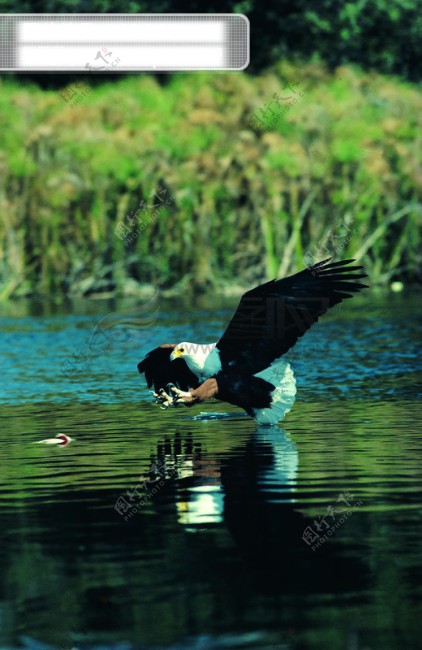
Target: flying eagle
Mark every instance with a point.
(245, 367)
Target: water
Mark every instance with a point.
(232, 535)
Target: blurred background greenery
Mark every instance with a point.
(108, 183)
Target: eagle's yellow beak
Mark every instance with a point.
(175, 354)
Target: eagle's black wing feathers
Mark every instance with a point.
(270, 318)
(160, 371)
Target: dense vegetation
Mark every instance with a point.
(136, 182)
(379, 34)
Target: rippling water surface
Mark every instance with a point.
(162, 529)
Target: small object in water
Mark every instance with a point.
(61, 439)
(397, 286)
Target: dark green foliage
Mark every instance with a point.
(381, 34)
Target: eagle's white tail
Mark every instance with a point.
(283, 396)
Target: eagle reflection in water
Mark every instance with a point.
(251, 493)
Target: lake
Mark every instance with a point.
(159, 529)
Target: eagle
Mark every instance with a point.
(246, 366)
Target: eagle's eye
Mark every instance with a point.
(182, 350)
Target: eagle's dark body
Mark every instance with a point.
(267, 323)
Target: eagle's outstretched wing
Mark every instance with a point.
(270, 318)
(160, 371)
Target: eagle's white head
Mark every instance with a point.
(202, 358)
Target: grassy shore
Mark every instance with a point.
(110, 186)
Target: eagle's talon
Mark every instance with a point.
(163, 399)
(182, 397)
